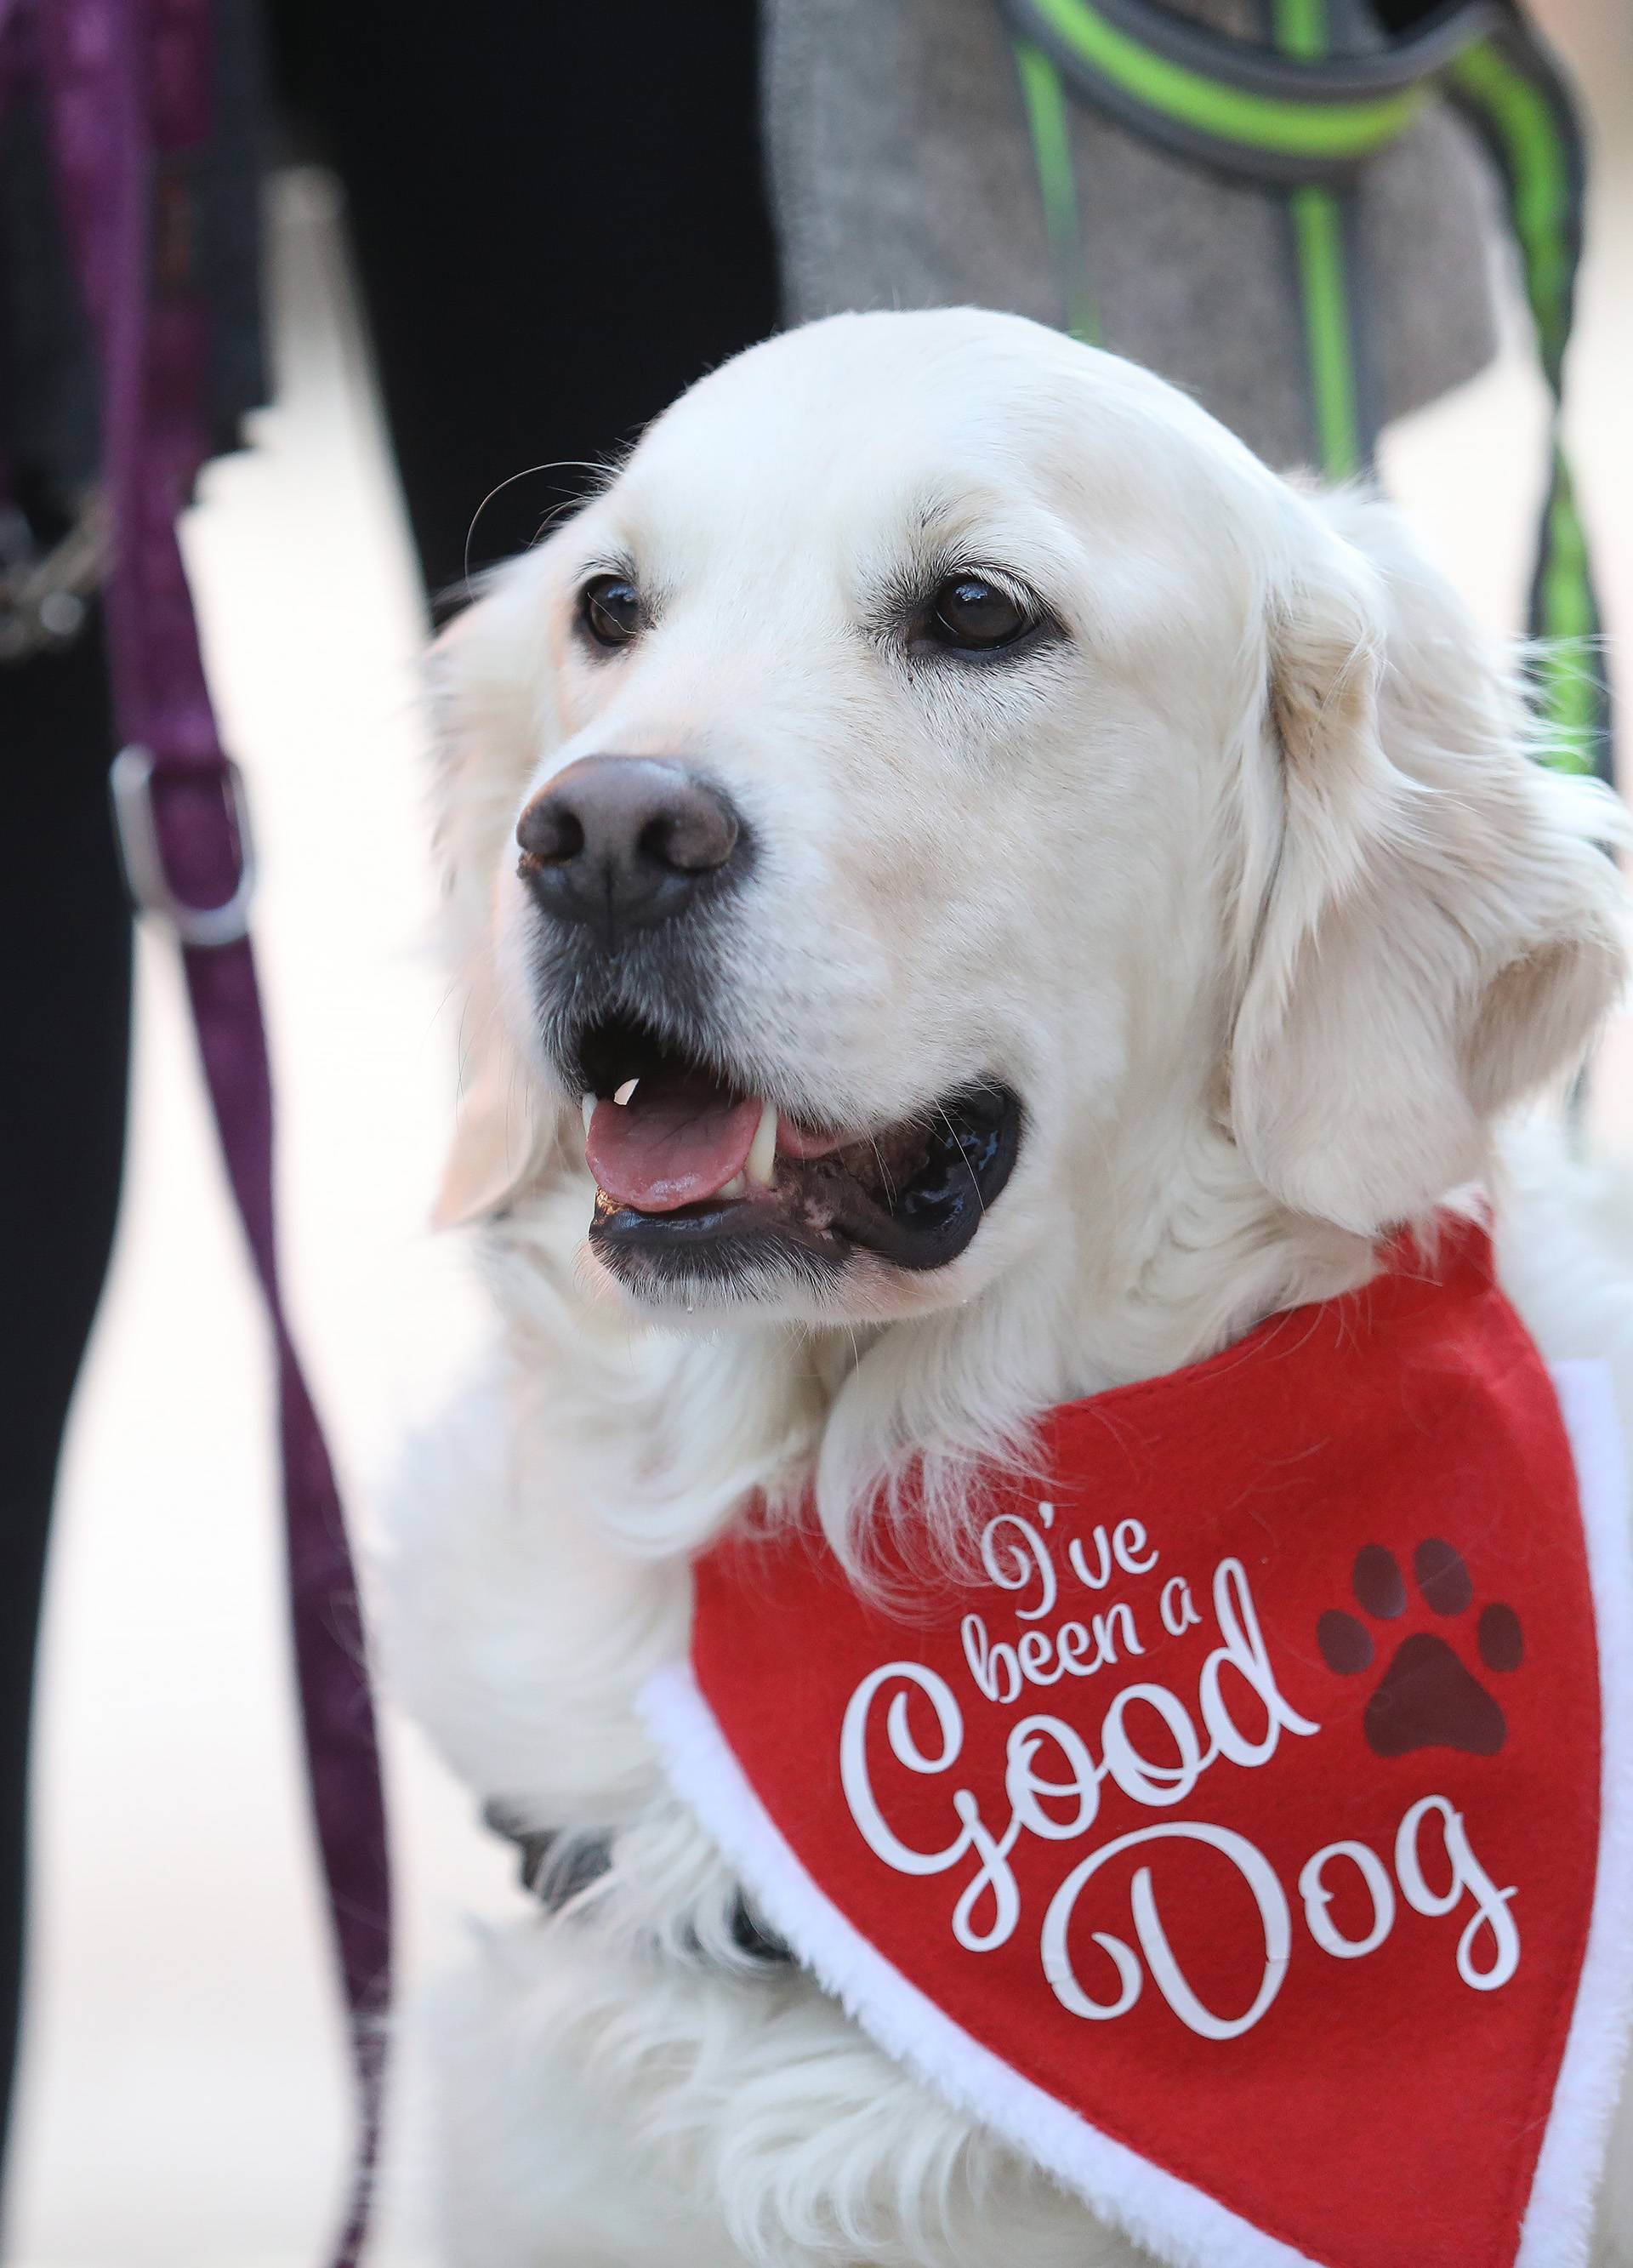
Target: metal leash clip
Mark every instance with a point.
(46, 593)
(205, 927)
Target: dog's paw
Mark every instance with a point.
(1428, 1698)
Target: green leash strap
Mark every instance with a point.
(1048, 121)
(1510, 90)
(1290, 117)
(1323, 228)
(1328, 272)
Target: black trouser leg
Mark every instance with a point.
(559, 220)
(64, 1036)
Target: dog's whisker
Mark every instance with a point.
(555, 464)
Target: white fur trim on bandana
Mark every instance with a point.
(1559, 2220)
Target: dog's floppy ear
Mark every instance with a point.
(1437, 933)
(491, 706)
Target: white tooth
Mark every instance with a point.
(737, 1187)
(763, 1157)
(588, 1113)
(621, 1095)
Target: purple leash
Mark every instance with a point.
(127, 84)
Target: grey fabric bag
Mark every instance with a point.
(902, 175)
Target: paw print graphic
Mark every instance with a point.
(1428, 1698)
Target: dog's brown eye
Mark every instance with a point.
(609, 607)
(970, 613)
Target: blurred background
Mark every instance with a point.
(183, 2097)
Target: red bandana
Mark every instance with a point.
(1241, 1842)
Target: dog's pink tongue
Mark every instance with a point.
(672, 1144)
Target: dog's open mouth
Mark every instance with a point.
(698, 1175)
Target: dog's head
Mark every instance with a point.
(942, 775)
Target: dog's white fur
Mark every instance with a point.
(1246, 884)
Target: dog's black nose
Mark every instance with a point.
(624, 843)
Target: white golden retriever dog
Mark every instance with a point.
(1065, 894)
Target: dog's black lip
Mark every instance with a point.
(924, 1229)
(725, 1234)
